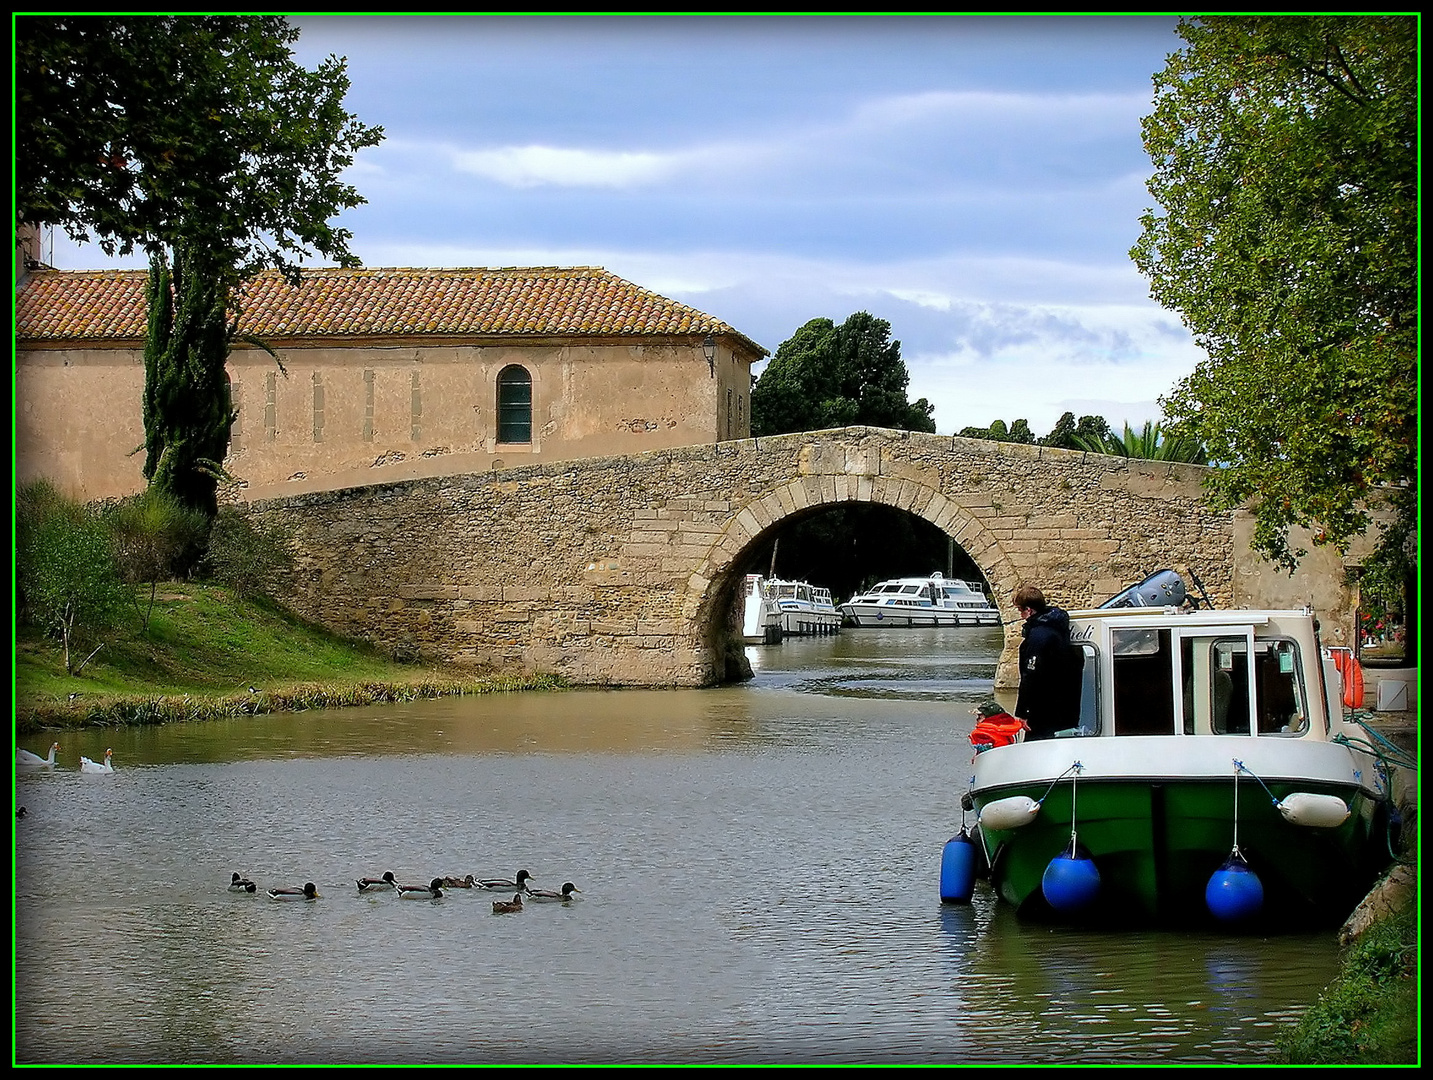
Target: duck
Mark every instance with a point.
(86, 765)
(547, 895)
(519, 883)
(432, 891)
(28, 760)
(374, 884)
(241, 884)
(459, 883)
(504, 907)
(308, 892)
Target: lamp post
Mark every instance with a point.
(709, 351)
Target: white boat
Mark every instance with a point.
(760, 619)
(929, 601)
(805, 609)
(1209, 778)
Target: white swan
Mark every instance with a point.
(28, 760)
(86, 765)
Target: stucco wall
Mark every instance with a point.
(625, 570)
(380, 411)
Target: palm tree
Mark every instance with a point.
(1151, 443)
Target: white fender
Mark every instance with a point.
(1008, 813)
(1316, 811)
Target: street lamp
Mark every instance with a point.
(709, 350)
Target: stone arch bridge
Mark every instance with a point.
(625, 571)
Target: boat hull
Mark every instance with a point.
(1157, 838)
(871, 615)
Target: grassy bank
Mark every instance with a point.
(200, 655)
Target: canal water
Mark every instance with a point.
(758, 872)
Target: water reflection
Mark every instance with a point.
(759, 867)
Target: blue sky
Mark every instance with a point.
(975, 181)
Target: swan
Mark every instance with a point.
(547, 895)
(241, 884)
(308, 892)
(24, 758)
(519, 883)
(374, 884)
(503, 907)
(432, 891)
(86, 765)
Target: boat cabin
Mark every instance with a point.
(1167, 672)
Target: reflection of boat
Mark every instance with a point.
(1210, 777)
(805, 609)
(933, 601)
(760, 620)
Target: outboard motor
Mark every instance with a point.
(1162, 589)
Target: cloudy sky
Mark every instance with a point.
(975, 181)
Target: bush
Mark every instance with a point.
(156, 539)
(65, 564)
(248, 557)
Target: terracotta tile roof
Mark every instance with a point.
(109, 305)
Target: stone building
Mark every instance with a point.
(383, 374)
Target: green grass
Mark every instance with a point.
(200, 654)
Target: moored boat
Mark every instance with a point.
(760, 619)
(1210, 779)
(914, 601)
(804, 609)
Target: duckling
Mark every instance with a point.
(432, 891)
(241, 884)
(459, 883)
(374, 884)
(503, 907)
(308, 892)
(519, 883)
(547, 895)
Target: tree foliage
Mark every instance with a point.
(829, 376)
(1285, 154)
(156, 538)
(199, 140)
(65, 566)
(248, 557)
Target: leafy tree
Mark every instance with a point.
(829, 376)
(199, 140)
(1285, 153)
(1150, 443)
(65, 566)
(1018, 432)
(154, 537)
(1067, 434)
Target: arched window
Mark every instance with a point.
(514, 405)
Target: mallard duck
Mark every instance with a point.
(459, 883)
(308, 892)
(503, 907)
(86, 765)
(503, 884)
(432, 891)
(27, 760)
(547, 895)
(241, 884)
(374, 884)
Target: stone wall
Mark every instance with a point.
(625, 570)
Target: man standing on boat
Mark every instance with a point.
(1050, 667)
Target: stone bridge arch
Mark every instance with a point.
(623, 570)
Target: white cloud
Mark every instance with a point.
(534, 166)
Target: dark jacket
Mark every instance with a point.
(1050, 674)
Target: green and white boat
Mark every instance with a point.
(1212, 779)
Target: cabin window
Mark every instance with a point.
(1089, 691)
(1280, 704)
(1142, 663)
(514, 405)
